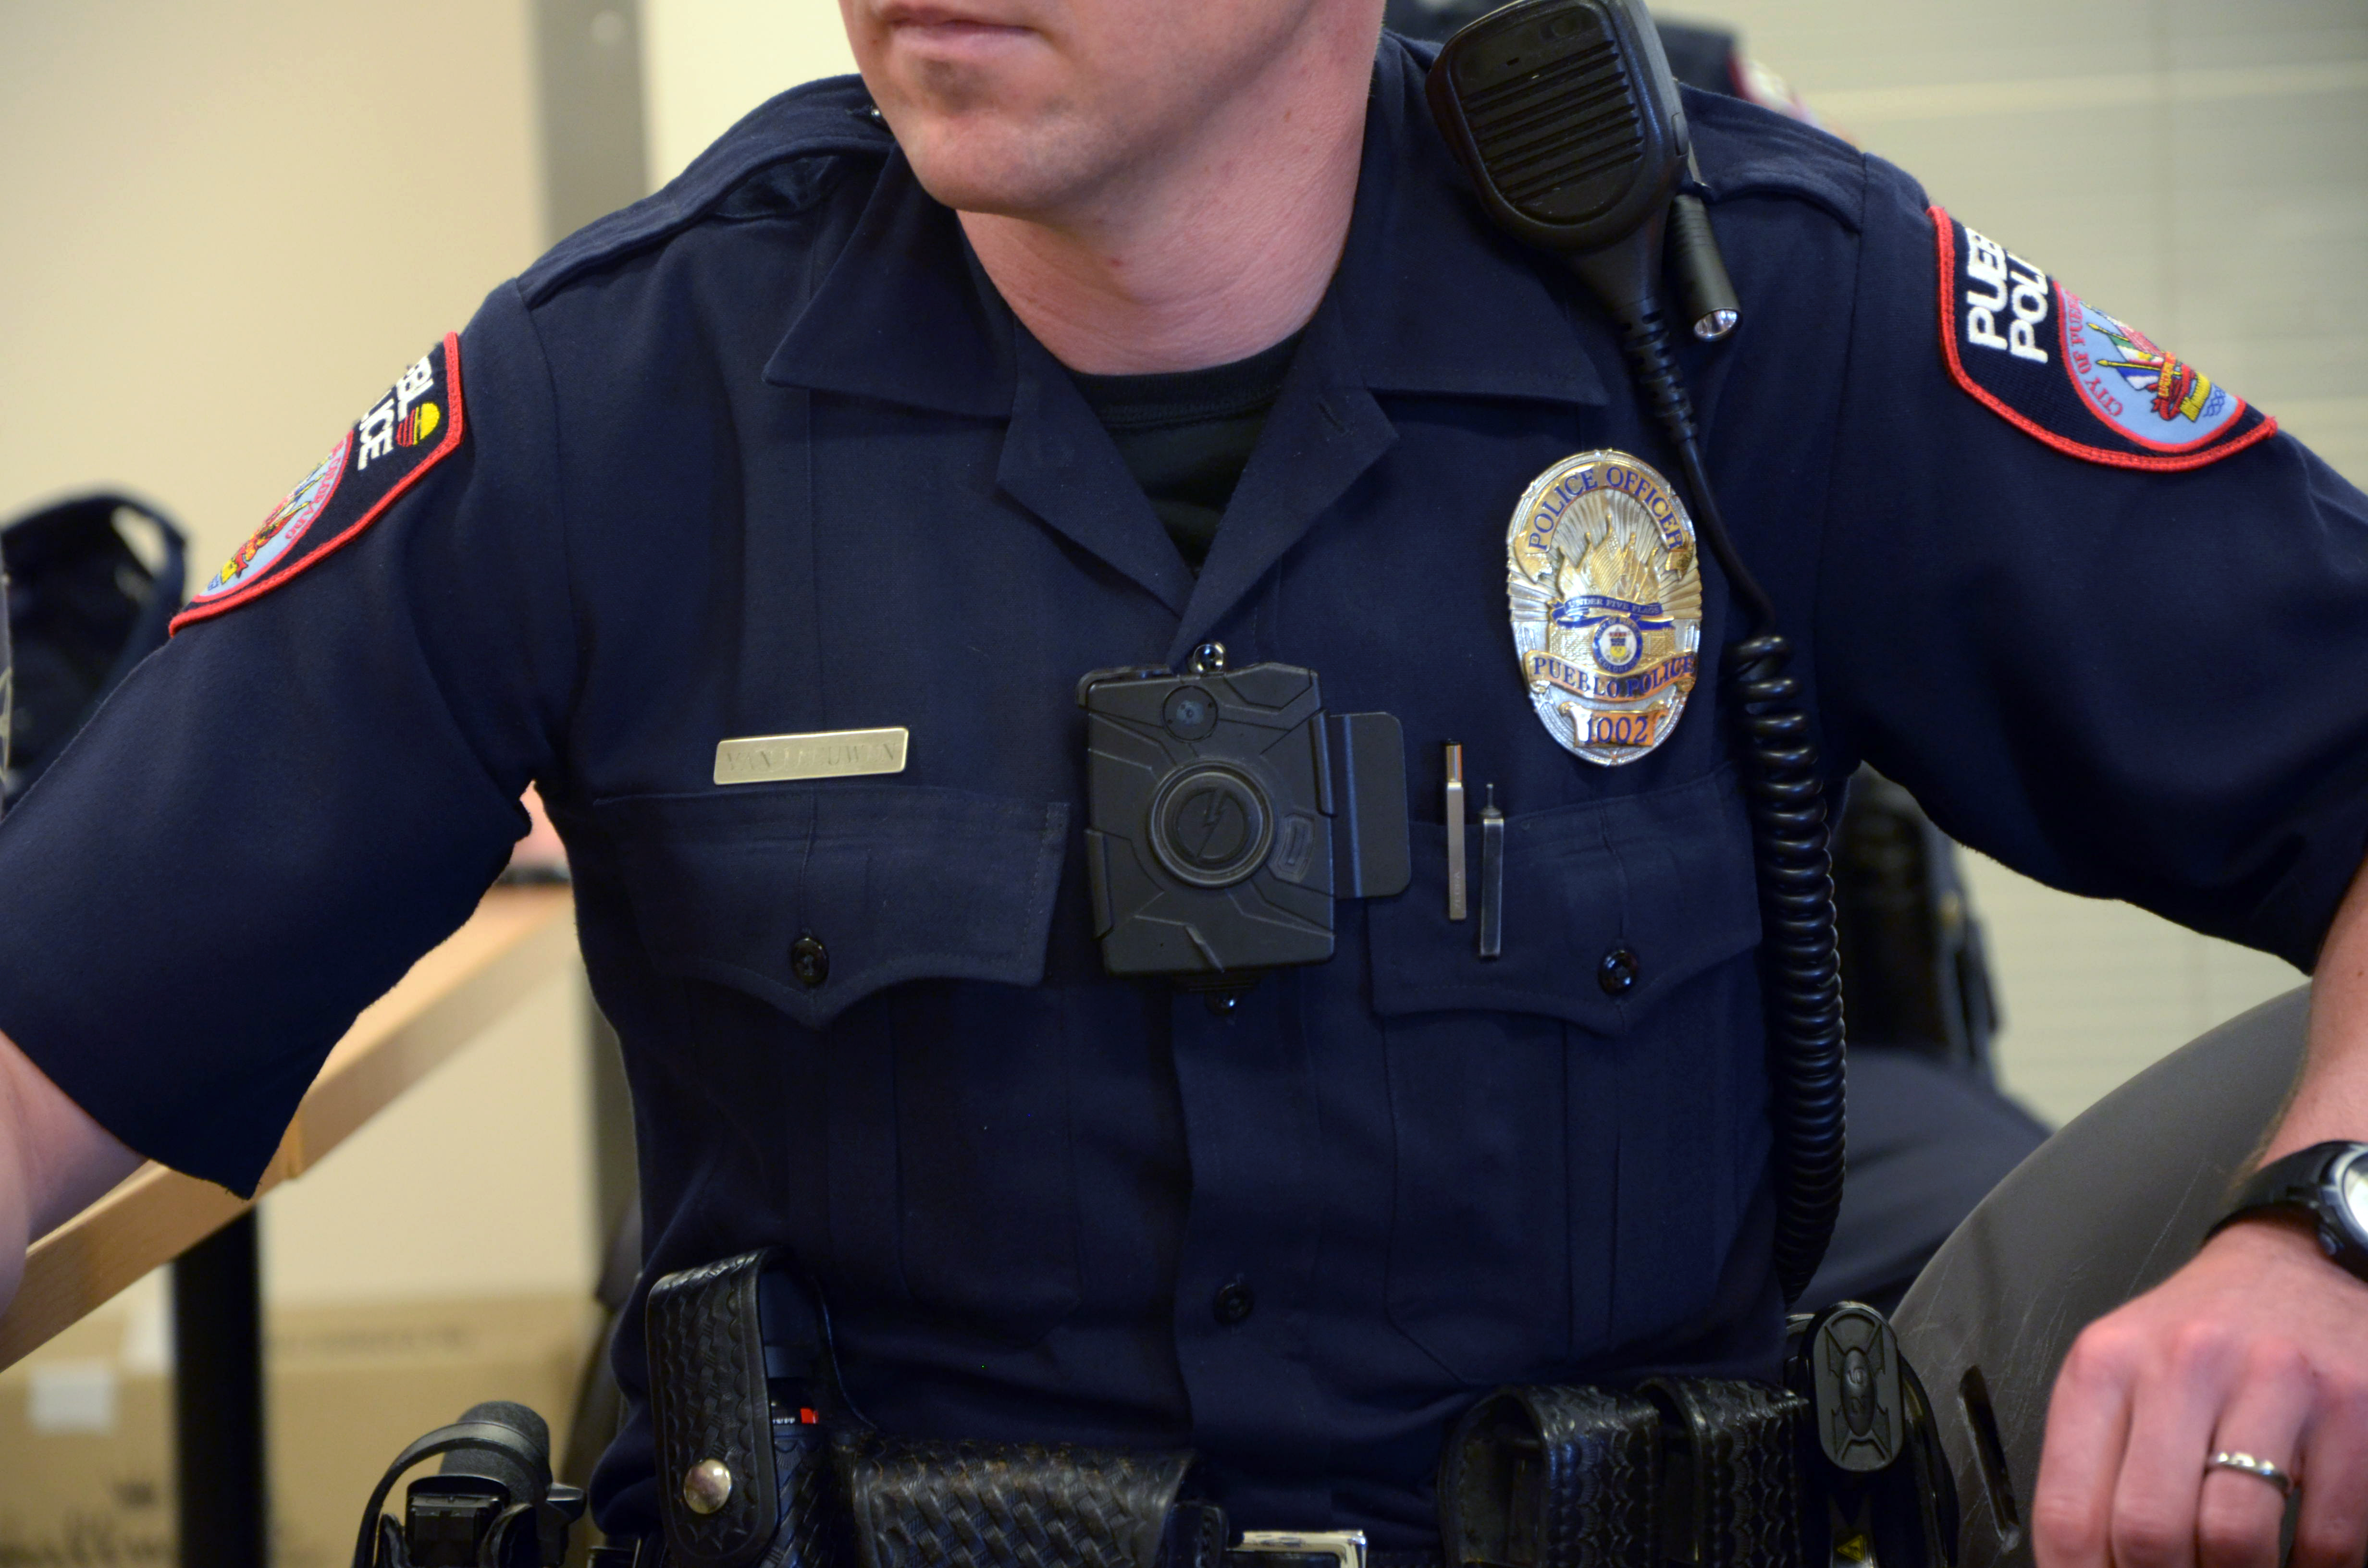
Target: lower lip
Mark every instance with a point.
(957, 38)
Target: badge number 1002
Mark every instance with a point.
(1613, 729)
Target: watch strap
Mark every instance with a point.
(2299, 1181)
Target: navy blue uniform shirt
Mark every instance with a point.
(766, 454)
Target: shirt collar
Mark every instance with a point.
(940, 337)
(1433, 300)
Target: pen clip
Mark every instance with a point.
(1456, 900)
(1492, 877)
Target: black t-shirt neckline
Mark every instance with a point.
(1186, 435)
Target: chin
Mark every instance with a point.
(974, 168)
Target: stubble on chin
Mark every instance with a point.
(990, 159)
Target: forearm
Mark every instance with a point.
(2330, 1100)
(54, 1160)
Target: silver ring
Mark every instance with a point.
(2276, 1477)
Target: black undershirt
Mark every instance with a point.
(1186, 435)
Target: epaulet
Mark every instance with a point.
(834, 117)
(1745, 150)
(1423, 50)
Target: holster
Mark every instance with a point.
(1883, 1486)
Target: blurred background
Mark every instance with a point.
(232, 225)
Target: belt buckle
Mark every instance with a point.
(1346, 1547)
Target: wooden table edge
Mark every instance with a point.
(517, 937)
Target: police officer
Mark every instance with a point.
(904, 416)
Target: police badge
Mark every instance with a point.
(1606, 593)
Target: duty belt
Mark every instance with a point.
(764, 1463)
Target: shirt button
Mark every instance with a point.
(1619, 972)
(810, 961)
(1236, 1300)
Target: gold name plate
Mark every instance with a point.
(826, 754)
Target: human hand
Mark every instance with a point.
(54, 1160)
(2259, 1345)
(539, 855)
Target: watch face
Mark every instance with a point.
(2352, 1184)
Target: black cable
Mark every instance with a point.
(1800, 964)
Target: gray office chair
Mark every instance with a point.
(2103, 1211)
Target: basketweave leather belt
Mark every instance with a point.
(1256, 1548)
(764, 1463)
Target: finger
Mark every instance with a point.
(2088, 1422)
(2331, 1530)
(2173, 1414)
(2239, 1516)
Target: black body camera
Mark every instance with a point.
(1227, 810)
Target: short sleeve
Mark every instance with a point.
(2106, 622)
(303, 791)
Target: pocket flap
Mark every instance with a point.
(894, 883)
(1666, 877)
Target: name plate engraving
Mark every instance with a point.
(826, 754)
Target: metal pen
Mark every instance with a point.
(1455, 899)
(1492, 877)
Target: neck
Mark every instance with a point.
(1221, 247)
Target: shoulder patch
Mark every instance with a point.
(2055, 366)
(415, 425)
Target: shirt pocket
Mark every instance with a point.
(890, 882)
(1572, 1158)
(933, 1062)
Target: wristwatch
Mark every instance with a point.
(2326, 1181)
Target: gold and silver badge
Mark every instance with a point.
(1606, 592)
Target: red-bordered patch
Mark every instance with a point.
(2055, 366)
(414, 426)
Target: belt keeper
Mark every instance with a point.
(1552, 1477)
(1730, 1492)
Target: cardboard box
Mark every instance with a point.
(86, 1421)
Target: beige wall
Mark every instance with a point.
(710, 61)
(229, 226)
